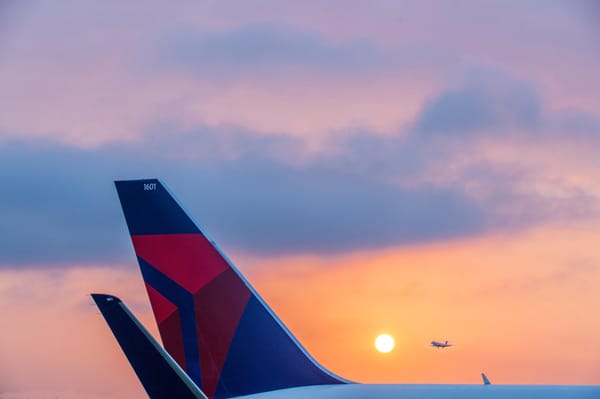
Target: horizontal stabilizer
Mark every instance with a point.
(160, 375)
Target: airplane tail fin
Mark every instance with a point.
(486, 380)
(210, 319)
(160, 375)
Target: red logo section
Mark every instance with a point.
(190, 260)
(220, 297)
(219, 308)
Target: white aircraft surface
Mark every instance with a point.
(221, 340)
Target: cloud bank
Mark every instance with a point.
(268, 194)
(60, 206)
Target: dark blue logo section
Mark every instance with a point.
(185, 303)
(260, 340)
(149, 208)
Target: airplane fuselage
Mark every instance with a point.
(441, 391)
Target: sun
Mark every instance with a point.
(384, 343)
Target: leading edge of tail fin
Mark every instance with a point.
(160, 375)
(210, 319)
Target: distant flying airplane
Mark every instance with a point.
(438, 345)
(221, 340)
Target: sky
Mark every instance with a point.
(427, 169)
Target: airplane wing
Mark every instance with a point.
(160, 375)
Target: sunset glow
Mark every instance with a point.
(384, 343)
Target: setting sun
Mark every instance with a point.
(384, 343)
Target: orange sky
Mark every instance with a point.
(518, 307)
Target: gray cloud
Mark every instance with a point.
(489, 101)
(58, 204)
(272, 208)
(266, 47)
